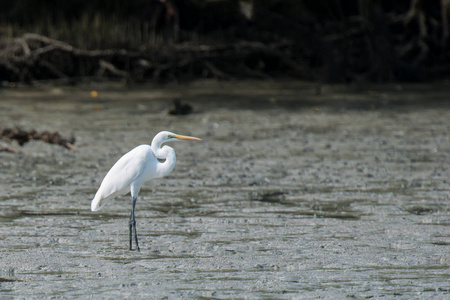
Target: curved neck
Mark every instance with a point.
(156, 146)
(168, 154)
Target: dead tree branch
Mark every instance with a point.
(24, 136)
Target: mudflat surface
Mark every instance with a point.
(297, 191)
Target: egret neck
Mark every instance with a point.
(167, 154)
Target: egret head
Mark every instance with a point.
(167, 136)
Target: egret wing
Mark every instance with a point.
(118, 179)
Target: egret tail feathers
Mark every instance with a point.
(99, 200)
(97, 204)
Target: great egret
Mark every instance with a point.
(134, 169)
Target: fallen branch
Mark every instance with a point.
(24, 136)
(107, 66)
(35, 57)
(7, 148)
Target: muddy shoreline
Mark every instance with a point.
(297, 191)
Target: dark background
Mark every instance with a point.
(176, 40)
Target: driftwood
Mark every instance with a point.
(35, 57)
(24, 136)
(7, 148)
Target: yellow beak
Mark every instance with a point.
(184, 137)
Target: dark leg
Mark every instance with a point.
(133, 226)
(136, 238)
(131, 232)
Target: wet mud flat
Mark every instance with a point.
(295, 192)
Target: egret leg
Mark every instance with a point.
(131, 233)
(133, 225)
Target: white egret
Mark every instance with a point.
(134, 169)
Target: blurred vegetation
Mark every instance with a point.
(103, 24)
(334, 41)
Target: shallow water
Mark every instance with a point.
(297, 191)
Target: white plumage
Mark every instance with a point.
(135, 168)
